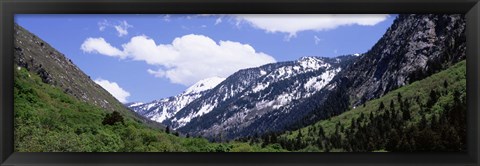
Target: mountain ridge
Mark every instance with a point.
(55, 69)
(162, 109)
(246, 89)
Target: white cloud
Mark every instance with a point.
(218, 21)
(191, 58)
(122, 28)
(102, 25)
(99, 45)
(166, 18)
(316, 39)
(292, 24)
(112, 87)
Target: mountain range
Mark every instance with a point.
(289, 95)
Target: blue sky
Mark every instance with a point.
(148, 57)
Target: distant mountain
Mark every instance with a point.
(257, 94)
(55, 69)
(162, 109)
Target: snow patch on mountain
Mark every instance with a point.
(204, 85)
(160, 110)
(312, 63)
(134, 104)
(320, 81)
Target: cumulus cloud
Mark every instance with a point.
(292, 24)
(189, 58)
(112, 87)
(99, 45)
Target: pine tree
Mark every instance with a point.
(406, 115)
(423, 122)
(371, 117)
(352, 123)
(381, 106)
(167, 130)
(392, 106)
(399, 97)
(433, 98)
(321, 132)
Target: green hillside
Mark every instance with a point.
(49, 120)
(427, 115)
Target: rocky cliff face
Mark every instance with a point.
(414, 47)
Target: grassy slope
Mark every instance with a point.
(455, 76)
(48, 120)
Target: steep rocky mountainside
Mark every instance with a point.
(55, 69)
(414, 47)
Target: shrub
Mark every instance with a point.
(111, 119)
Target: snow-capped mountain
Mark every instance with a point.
(165, 108)
(247, 95)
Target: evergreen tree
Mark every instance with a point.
(392, 106)
(321, 132)
(433, 98)
(167, 130)
(399, 97)
(381, 106)
(406, 115)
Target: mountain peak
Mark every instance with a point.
(311, 62)
(204, 85)
(308, 58)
